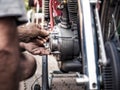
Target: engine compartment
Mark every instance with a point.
(86, 40)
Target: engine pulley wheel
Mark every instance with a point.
(111, 72)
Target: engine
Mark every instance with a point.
(84, 38)
(78, 45)
(64, 39)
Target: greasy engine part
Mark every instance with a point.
(110, 21)
(71, 65)
(66, 42)
(70, 14)
(111, 74)
(64, 39)
(73, 9)
(65, 21)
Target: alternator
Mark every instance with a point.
(65, 41)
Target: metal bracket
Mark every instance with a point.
(103, 60)
(89, 51)
(82, 79)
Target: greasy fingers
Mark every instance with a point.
(26, 33)
(35, 49)
(40, 51)
(43, 33)
(36, 27)
(41, 41)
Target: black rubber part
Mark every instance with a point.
(45, 85)
(111, 72)
(37, 87)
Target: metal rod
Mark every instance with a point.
(103, 60)
(89, 49)
(45, 85)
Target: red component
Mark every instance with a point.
(56, 11)
(40, 2)
(53, 4)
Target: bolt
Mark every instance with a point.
(94, 85)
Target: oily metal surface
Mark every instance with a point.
(58, 82)
(65, 82)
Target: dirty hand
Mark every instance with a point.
(34, 49)
(32, 39)
(31, 31)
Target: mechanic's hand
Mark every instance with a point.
(31, 31)
(34, 49)
(32, 39)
